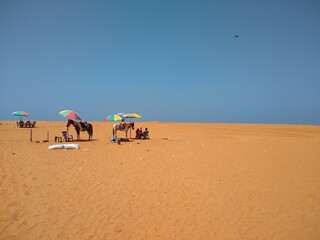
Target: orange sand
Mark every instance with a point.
(190, 181)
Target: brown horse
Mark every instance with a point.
(81, 127)
(122, 127)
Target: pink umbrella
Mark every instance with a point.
(70, 115)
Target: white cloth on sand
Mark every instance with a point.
(64, 146)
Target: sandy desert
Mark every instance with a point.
(191, 181)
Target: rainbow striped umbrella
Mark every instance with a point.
(70, 115)
(21, 114)
(113, 118)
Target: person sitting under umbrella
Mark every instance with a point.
(145, 134)
(138, 133)
(27, 124)
(21, 123)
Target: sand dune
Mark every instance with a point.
(189, 181)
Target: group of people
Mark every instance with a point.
(142, 134)
(26, 124)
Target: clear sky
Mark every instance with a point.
(166, 60)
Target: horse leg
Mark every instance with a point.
(90, 134)
(91, 131)
(114, 133)
(78, 132)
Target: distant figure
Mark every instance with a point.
(27, 124)
(145, 134)
(21, 123)
(236, 36)
(138, 133)
(67, 137)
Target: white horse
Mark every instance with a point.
(122, 127)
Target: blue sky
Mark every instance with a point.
(167, 60)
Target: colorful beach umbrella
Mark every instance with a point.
(113, 118)
(70, 115)
(131, 115)
(21, 114)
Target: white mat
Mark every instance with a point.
(64, 146)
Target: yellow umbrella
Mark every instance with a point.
(131, 115)
(113, 118)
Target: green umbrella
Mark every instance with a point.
(113, 118)
(21, 114)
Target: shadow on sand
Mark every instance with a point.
(85, 140)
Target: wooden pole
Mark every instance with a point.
(30, 135)
(48, 136)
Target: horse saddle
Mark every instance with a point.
(84, 126)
